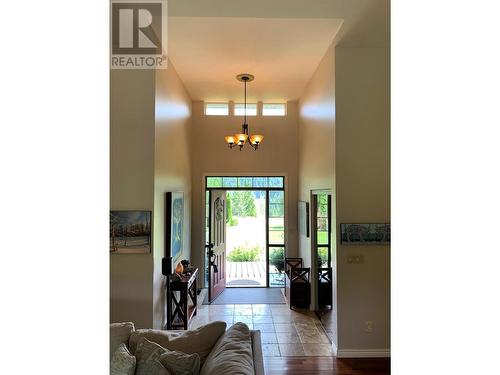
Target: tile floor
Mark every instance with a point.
(284, 332)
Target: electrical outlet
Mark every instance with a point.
(368, 326)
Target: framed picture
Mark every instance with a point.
(130, 232)
(304, 219)
(174, 224)
(365, 234)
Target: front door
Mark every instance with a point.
(217, 247)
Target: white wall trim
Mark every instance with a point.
(363, 353)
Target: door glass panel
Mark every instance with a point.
(276, 266)
(323, 256)
(207, 234)
(323, 230)
(277, 197)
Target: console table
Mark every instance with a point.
(181, 310)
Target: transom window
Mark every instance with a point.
(277, 109)
(216, 109)
(245, 182)
(239, 109)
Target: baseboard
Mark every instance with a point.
(201, 296)
(363, 353)
(334, 349)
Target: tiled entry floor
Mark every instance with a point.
(285, 332)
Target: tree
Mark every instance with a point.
(229, 212)
(243, 203)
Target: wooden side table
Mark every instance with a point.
(181, 311)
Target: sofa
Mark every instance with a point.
(208, 350)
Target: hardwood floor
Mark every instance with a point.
(326, 365)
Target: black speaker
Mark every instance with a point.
(166, 266)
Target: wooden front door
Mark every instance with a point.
(217, 247)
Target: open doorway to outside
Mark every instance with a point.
(246, 264)
(254, 230)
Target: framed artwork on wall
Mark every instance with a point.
(130, 232)
(174, 224)
(365, 234)
(304, 218)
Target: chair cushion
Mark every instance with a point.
(119, 334)
(232, 354)
(122, 362)
(200, 340)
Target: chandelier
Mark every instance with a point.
(241, 138)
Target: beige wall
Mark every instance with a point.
(363, 195)
(277, 156)
(132, 138)
(150, 155)
(172, 172)
(317, 146)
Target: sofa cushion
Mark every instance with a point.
(200, 340)
(147, 354)
(119, 334)
(122, 362)
(232, 354)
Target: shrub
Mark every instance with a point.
(277, 258)
(244, 253)
(322, 255)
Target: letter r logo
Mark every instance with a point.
(136, 28)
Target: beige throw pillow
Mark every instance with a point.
(122, 362)
(147, 354)
(200, 340)
(119, 334)
(232, 354)
(180, 363)
(152, 359)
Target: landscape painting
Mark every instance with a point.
(365, 234)
(175, 222)
(130, 232)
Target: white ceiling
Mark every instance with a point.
(282, 53)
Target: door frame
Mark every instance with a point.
(267, 190)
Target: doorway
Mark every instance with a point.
(253, 251)
(246, 261)
(321, 246)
